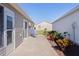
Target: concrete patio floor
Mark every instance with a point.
(38, 46)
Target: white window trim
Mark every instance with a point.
(5, 29)
(25, 20)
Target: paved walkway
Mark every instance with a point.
(38, 46)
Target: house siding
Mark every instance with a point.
(65, 25)
(18, 28)
(2, 51)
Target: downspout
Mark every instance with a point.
(73, 27)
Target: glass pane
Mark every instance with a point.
(25, 25)
(9, 37)
(9, 22)
(1, 26)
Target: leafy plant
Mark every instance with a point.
(58, 35)
(65, 34)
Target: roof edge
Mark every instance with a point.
(67, 13)
(16, 6)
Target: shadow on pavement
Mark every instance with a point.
(70, 51)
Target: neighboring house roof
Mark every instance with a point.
(68, 13)
(15, 6)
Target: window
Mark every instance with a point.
(1, 26)
(9, 29)
(9, 37)
(9, 22)
(25, 25)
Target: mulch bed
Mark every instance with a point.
(59, 52)
(70, 51)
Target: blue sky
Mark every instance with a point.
(40, 12)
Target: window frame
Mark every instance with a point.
(9, 29)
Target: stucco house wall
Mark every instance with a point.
(66, 23)
(43, 25)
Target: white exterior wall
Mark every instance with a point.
(65, 25)
(44, 25)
